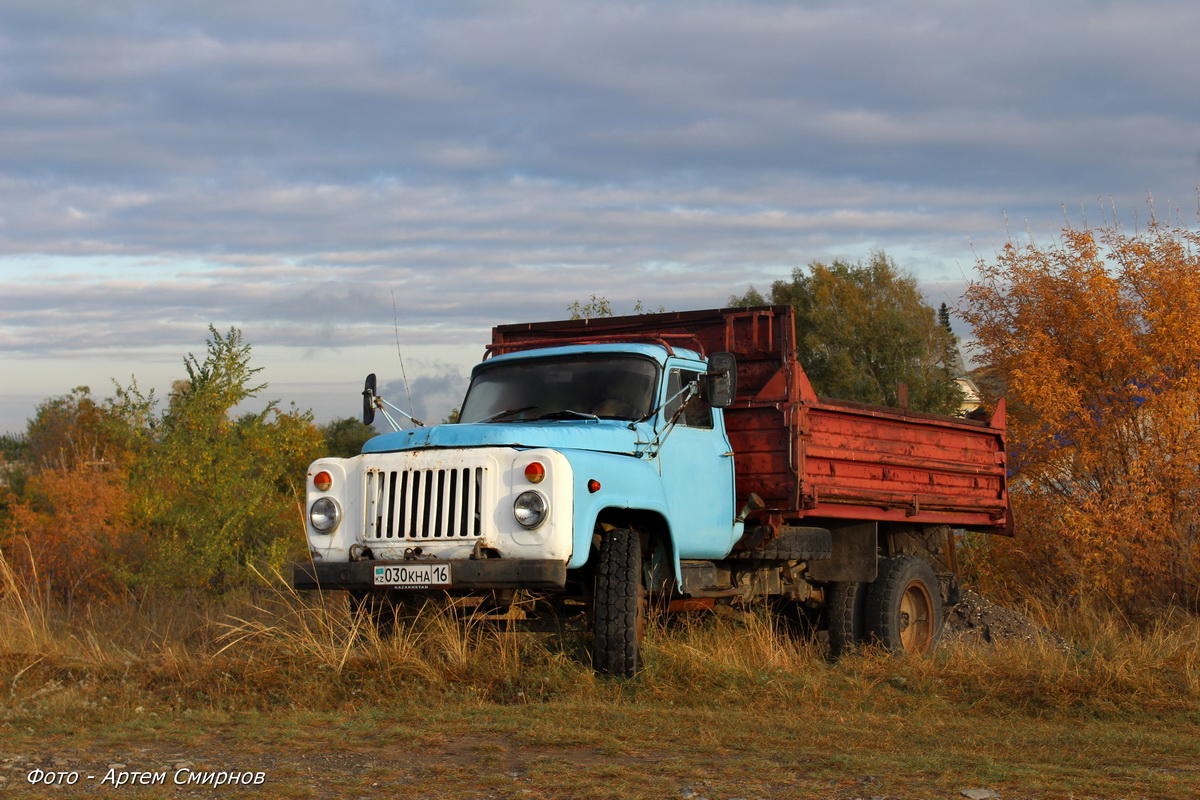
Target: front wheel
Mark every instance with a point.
(620, 605)
(374, 611)
(904, 606)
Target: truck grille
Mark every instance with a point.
(424, 504)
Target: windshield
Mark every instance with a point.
(576, 387)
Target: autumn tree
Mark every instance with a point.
(102, 497)
(221, 491)
(1097, 339)
(14, 448)
(863, 329)
(593, 308)
(345, 437)
(602, 307)
(67, 515)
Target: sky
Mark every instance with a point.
(368, 186)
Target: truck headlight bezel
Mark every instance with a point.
(324, 514)
(531, 509)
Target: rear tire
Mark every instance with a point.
(904, 606)
(846, 611)
(620, 605)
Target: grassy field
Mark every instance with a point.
(726, 708)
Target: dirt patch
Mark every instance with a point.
(978, 620)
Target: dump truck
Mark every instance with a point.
(603, 469)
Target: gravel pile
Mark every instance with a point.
(979, 620)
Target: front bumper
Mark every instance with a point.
(488, 573)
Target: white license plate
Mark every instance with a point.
(412, 575)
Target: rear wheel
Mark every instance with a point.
(620, 605)
(904, 606)
(845, 607)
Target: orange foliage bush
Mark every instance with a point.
(1098, 341)
(69, 524)
(70, 529)
(115, 497)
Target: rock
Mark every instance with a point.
(979, 794)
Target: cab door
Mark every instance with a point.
(696, 465)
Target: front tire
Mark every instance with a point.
(904, 606)
(620, 605)
(374, 611)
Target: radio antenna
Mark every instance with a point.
(396, 324)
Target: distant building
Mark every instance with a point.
(972, 399)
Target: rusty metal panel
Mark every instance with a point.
(855, 554)
(882, 465)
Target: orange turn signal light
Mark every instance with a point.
(535, 472)
(323, 481)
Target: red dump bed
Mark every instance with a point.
(809, 456)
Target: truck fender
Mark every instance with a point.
(608, 483)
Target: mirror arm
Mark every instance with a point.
(372, 402)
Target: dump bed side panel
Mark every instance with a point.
(864, 464)
(816, 457)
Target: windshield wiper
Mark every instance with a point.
(507, 413)
(568, 412)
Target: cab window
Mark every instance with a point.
(697, 413)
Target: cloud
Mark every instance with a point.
(289, 167)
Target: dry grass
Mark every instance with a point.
(278, 645)
(754, 710)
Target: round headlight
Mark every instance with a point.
(530, 509)
(324, 514)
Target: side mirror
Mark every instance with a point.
(369, 400)
(720, 382)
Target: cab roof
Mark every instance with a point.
(658, 352)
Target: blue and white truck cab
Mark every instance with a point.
(559, 452)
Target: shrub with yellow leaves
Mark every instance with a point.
(1097, 341)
